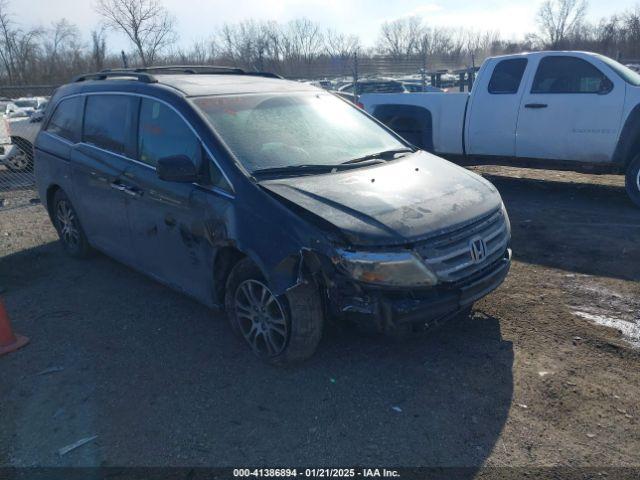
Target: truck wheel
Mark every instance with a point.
(632, 180)
(279, 329)
(67, 223)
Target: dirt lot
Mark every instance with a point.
(531, 379)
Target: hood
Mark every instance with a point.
(392, 203)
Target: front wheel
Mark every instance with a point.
(67, 223)
(632, 181)
(18, 161)
(279, 329)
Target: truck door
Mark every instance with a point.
(571, 111)
(493, 111)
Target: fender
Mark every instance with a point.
(629, 141)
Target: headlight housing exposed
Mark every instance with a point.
(390, 269)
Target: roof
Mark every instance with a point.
(188, 84)
(541, 53)
(202, 84)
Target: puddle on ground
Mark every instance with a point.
(601, 305)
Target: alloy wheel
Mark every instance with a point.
(261, 318)
(68, 224)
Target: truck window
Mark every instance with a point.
(559, 74)
(65, 120)
(507, 76)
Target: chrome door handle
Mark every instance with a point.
(118, 186)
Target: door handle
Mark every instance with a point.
(132, 192)
(536, 105)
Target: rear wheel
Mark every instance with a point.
(278, 329)
(67, 223)
(632, 180)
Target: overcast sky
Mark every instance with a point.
(197, 18)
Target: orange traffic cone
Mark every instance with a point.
(8, 340)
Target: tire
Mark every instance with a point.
(632, 180)
(279, 330)
(67, 224)
(18, 161)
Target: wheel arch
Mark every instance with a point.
(629, 142)
(225, 259)
(412, 122)
(51, 192)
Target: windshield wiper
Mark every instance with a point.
(295, 169)
(383, 154)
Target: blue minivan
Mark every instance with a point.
(274, 200)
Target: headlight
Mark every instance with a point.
(506, 218)
(394, 269)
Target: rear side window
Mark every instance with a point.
(65, 121)
(507, 76)
(568, 75)
(107, 121)
(163, 133)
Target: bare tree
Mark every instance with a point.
(303, 39)
(560, 19)
(60, 45)
(401, 38)
(147, 24)
(340, 46)
(98, 48)
(18, 48)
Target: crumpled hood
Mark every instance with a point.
(392, 203)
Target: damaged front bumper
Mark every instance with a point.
(386, 309)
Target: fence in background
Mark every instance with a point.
(17, 182)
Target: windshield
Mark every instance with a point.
(25, 103)
(626, 73)
(275, 130)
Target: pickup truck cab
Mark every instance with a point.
(562, 110)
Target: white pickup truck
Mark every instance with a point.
(560, 110)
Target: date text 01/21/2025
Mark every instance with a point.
(315, 472)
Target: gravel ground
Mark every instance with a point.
(534, 378)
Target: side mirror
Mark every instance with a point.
(177, 168)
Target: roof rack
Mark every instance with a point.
(204, 70)
(144, 74)
(193, 70)
(141, 77)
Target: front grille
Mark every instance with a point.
(449, 254)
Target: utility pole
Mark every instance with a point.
(125, 63)
(355, 76)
